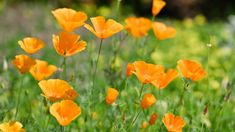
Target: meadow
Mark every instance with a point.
(107, 77)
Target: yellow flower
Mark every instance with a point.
(23, 63)
(12, 126)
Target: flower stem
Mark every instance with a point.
(61, 129)
(136, 117)
(64, 67)
(19, 95)
(141, 91)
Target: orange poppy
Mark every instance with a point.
(191, 69)
(173, 123)
(129, 70)
(144, 125)
(68, 44)
(69, 19)
(148, 100)
(104, 29)
(23, 63)
(31, 45)
(42, 70)
(162, 31)
(146, 72)
(55, 89)
(65, 111)
(157, 6)
(153, 119)
(12, 126)
(165, 78)
(138, 27)
(112, 95)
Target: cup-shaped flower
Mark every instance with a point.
(41, 70)
(69, 19)
(65, 111)
(102, 28)
(173, 123)
(111, 96)
(68, 44)
(164, 79)
(146, 72)
(148, 100)
(11, 126)
(191, 69)
(56, 89)
(157, 6)
(23, 63)
(153, 118)
(31, 45)
(162, 31)
(144, 125)
(138, 27)
(129, 69)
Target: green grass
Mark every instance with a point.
(189, 43)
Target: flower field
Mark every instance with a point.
(69, 69)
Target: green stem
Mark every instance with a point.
(61, 129)
(141, 91)
(19, 95)
(64, 67)
(136, 117)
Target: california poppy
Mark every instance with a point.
(164, 79)
(68, 44)
(104, 29)
(12, 126)
(129, 69)
(112, 95)
(191, 69)
(65, 111)
(146, 72)
(55, 89)
(173, 123)
(69, 19)
(162, 31)
(144, 125)
(148, 100)
(153, 119)
(42, 70)
(157, 6)
(31, 45)
(23, 63)
(138, 27)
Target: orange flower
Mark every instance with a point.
(191, 69)
(153, 118)
(173, 123)
(42, 70)
(65, 111)
(165, 78)
(138, 27)
(157, 6)
(129, 70)
(31, 45)
(147, 101)
(146, 72)
(144, 125)
(69, 19)
(104, 29)
(23, 63)
(55, 89)
(12, 126)
(162, 31)
(68, 44)
(112, 95)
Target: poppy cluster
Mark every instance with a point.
(67, 43)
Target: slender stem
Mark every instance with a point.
(96, 63)
(141, 91)
(19, 95)
(153, 18)
(64, 67)
(136, 117)
(61, 129)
